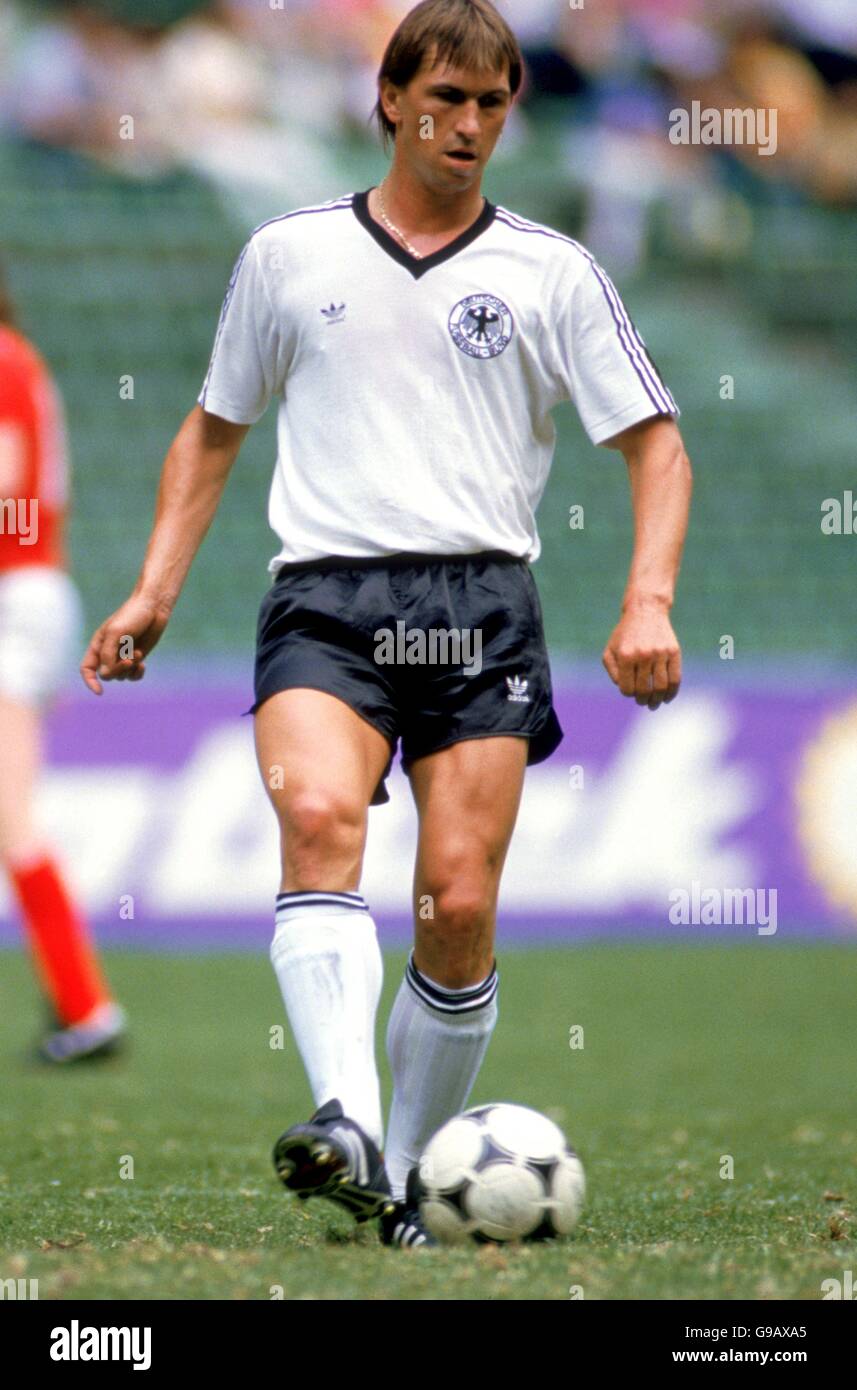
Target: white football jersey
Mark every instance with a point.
(415, 396)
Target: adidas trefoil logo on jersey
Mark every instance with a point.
(518, 690)
(334, 314)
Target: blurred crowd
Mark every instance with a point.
(214, 84)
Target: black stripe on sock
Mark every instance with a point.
(466, 1002)
(320, 898)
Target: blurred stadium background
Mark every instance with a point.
(736, 266)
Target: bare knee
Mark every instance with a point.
(455, 935)
(323, 835)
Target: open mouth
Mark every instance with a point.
(461, 156)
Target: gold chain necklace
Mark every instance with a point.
(391, 226)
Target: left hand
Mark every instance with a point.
(643, 657)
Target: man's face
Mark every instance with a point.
(448, 121)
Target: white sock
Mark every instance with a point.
(436, 1041)
(328, 962)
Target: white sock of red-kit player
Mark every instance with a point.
(436, 1042)
(328, 962)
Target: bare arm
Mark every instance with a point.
(194, 475)
(643, 656)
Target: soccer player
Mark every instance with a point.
(39, 629)
(416, 338)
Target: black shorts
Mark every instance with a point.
(428, 649)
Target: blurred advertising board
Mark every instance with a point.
(728, 813)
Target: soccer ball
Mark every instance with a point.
(499, 1172)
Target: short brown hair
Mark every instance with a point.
(469, 33)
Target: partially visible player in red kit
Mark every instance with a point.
(39, 624)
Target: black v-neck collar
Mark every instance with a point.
(388, 243)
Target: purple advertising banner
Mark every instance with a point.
(730, 813)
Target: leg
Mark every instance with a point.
(321, 763)
(62, 949)
(20, 764)
(467, 798)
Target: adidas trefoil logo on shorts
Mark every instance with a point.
(518, 690)
(335, 314)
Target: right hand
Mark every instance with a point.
(142, 620)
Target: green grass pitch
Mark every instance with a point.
(690, 1054)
